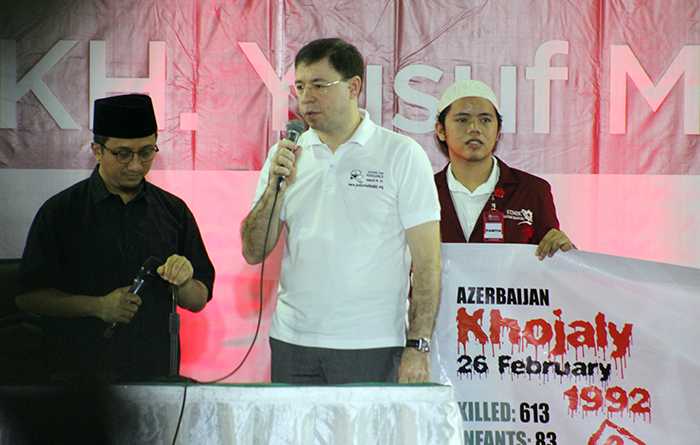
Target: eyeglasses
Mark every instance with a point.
(317, 86)
(124, 155)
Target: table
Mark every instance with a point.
(234, 414)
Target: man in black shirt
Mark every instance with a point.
(88, 242)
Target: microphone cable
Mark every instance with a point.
(260, 297)
(257, 326)
(182, 411)
(294, 130)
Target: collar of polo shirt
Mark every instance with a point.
(486, 188)
(359, 138)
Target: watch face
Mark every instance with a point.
(424, 345)
(421, 344)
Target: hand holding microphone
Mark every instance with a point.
(283, 167)
(120, 305)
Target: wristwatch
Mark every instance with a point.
(422, 344)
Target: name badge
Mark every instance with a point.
(493, 226)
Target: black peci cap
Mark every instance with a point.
(128, 116)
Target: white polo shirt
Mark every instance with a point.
(344, 278)
(470, 204)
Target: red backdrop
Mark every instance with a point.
(601, 97)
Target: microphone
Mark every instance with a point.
(294, 129)
(149, 266)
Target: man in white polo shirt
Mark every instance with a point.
(360, 209)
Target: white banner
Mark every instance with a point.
(580, 348)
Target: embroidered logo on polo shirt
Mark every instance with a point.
(373, 179)
(356, 175)
(523, 216)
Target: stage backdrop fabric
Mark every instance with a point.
(601, 97)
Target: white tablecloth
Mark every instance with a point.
(262, 415)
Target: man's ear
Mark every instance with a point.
(355, 84)
(440, 130)
(96, 150)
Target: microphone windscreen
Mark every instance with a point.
(294, 129)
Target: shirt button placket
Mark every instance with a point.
(126, 240)
(330, 176)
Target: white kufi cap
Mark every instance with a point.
(467, 88)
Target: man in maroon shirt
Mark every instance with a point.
(482, 198)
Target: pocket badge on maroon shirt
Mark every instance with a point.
(493, 225)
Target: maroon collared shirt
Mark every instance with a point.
(527, 205)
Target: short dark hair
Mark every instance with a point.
(99, 139)
(442, 145)
(343, 56)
